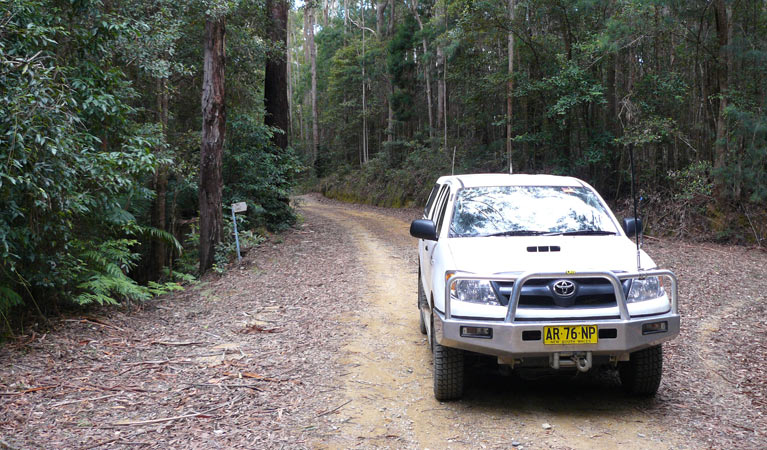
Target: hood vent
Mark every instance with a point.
(543, 248)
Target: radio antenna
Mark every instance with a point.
(637, 228)
(452, 170)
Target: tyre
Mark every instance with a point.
(421, 304)
(641, 375)
(448, 373)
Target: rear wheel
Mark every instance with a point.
(641, 375)
(448, 372)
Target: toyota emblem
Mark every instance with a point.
(564, 288)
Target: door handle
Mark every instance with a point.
(426, 247)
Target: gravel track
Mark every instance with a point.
(314, 342)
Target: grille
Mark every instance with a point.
(538, 293)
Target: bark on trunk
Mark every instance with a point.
(158, 250)
(723, 13)
(289, 68)
(426, 74)
(380, 10)
(390, 28)
(313, 69)
(440, 87)
(275, 80)
(213, 132)
(364, 156)
(510, 86)
(308, 93)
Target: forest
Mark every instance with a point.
(387, 95)
(104, 168)
(100, 125)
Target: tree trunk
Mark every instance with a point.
(440, 87)
(158, 250)
(275, 79)
(510, 85)
(213, 132)
(380, 10)
(723, 13)
(426, 66)
(364, 158)
(289, 61)
(308, 93)
(313, 69)
(390, 28)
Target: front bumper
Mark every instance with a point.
(514, 338)
(507, 338)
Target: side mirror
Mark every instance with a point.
(423, 229)
(632, 226)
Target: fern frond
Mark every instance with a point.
(106, 288)
(163, 288)
(155, 234)
(9, 298)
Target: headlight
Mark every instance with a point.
(643, 289)
(473, 291)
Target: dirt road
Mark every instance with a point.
(314, 343)
(390, 370)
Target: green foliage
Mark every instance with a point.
(75, 155)
(746, 175)
(386, 183)
(693, 181)
(258, 173)
(103, 271)
(226, 250)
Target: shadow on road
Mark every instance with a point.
(568, 393)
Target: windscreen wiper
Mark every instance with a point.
(518, 233)
(581, 233)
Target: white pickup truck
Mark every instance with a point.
(537, 271)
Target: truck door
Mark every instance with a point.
(426, 247)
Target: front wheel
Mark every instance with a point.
(448, 372)
(641, 374)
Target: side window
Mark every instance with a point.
(435, 210)
(441, 214)
(432, 197)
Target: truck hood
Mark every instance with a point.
(492, 255)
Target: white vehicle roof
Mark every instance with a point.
(500, 179)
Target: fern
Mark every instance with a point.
(178, 276)
(163, 288)
(9, 298)
(113, 256)
(154, 234)
(107, 289)
(104, 273)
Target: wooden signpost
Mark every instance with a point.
(238, 207)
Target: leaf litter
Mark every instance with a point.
(250, 359)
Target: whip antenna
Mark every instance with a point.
(452, 170)
(637, 228)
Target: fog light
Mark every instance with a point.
(655, 327)
(477, 332)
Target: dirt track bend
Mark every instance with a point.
(313, 342)
(389, 368)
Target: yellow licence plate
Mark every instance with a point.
(570, 334)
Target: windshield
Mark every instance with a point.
(529, 210)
